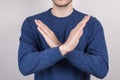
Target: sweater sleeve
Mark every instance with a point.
(30, 59)
(95, 59)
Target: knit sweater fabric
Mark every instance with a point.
(90, 57)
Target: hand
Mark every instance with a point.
(73, 38)
(48, 34)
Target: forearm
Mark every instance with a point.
(89, 63)
(96, 65)
(63, 49)
(31, 62)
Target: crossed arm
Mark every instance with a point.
(72, 40)
(94, 62)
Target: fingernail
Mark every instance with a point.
(35, 20)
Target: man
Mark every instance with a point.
(62, 44)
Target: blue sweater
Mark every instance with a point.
(88, 58)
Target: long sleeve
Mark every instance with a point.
(95, 59)
(30, 59)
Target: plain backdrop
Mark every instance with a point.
(13, 13)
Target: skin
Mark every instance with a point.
(60, 7)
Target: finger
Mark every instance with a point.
(39, 24)
(42, 32)
(85, 19)
(43, 26)
(80, 26)
(79, 33)
(82, 23)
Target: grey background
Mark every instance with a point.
(13, 12)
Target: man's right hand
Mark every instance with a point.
(73, 38)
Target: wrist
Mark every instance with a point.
(63, 49)
(55, 45)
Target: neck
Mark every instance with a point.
(62, 11)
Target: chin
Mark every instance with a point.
(62, 3)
